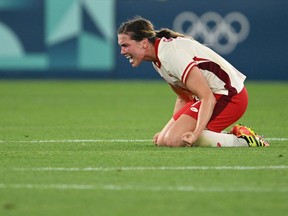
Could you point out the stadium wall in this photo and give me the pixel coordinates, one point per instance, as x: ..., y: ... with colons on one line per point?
x: 78, y: 38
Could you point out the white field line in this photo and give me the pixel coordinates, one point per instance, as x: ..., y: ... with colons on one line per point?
x: 276, y: 139
x: 104, y: 140
x: 78, y: 141
x: 184, y: 168
x: 143, y: 188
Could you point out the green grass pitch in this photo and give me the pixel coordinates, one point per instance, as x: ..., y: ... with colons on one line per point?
x: 83, y: 148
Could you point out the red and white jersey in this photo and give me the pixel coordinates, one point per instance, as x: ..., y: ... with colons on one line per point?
x: 177, y: 56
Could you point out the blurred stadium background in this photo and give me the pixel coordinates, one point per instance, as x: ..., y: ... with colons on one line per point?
x: 78, y: 38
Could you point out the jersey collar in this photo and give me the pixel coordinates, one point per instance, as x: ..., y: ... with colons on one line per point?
x: 156, y: 45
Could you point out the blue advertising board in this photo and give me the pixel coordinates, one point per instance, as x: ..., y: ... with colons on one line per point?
x: 51, y: 38
x: 78, y: 38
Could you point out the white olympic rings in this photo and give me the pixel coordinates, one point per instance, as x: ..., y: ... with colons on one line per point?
x: 223, y: 33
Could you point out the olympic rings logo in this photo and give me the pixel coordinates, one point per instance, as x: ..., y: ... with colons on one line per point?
x: 223, y: 33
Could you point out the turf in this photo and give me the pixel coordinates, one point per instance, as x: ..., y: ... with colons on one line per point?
x: 83, y: 148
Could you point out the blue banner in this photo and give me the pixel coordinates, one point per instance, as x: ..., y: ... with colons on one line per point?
x: 50, y: 38
x: 78, y: 38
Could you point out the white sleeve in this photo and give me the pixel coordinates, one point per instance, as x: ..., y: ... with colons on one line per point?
x: 178, y: 62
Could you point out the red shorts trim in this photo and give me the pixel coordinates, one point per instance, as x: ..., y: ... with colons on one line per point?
x: 227, y: 110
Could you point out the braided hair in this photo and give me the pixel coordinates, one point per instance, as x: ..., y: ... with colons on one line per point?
x: 140, y: 28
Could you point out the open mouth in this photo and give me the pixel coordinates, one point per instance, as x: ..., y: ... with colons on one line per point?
x: 130, y: 58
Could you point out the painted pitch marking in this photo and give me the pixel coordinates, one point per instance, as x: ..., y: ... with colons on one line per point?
x: 104, y: 140
x: 143, y: 188
x: 162, y: 168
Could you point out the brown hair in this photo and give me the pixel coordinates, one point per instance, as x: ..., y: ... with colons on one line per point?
x: 140, y: 28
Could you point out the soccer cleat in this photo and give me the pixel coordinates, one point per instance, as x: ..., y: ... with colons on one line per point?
x: 252, y: 138
x: 263, y: 141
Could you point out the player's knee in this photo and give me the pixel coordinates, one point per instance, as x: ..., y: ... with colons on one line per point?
x: 169, y: 140
x: 172, y: 140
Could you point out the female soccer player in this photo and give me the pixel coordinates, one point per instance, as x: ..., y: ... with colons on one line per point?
x: 211, y: 94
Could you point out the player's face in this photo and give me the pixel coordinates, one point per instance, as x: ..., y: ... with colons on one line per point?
x: 131, y: 49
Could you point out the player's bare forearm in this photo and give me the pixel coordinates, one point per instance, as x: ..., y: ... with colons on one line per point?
x: 179, y: 103
x: 205, y: 113
x: 183, y: 97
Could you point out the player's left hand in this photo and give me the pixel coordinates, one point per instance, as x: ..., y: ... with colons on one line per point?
x: 188, y: 138
x: 155, y: 138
